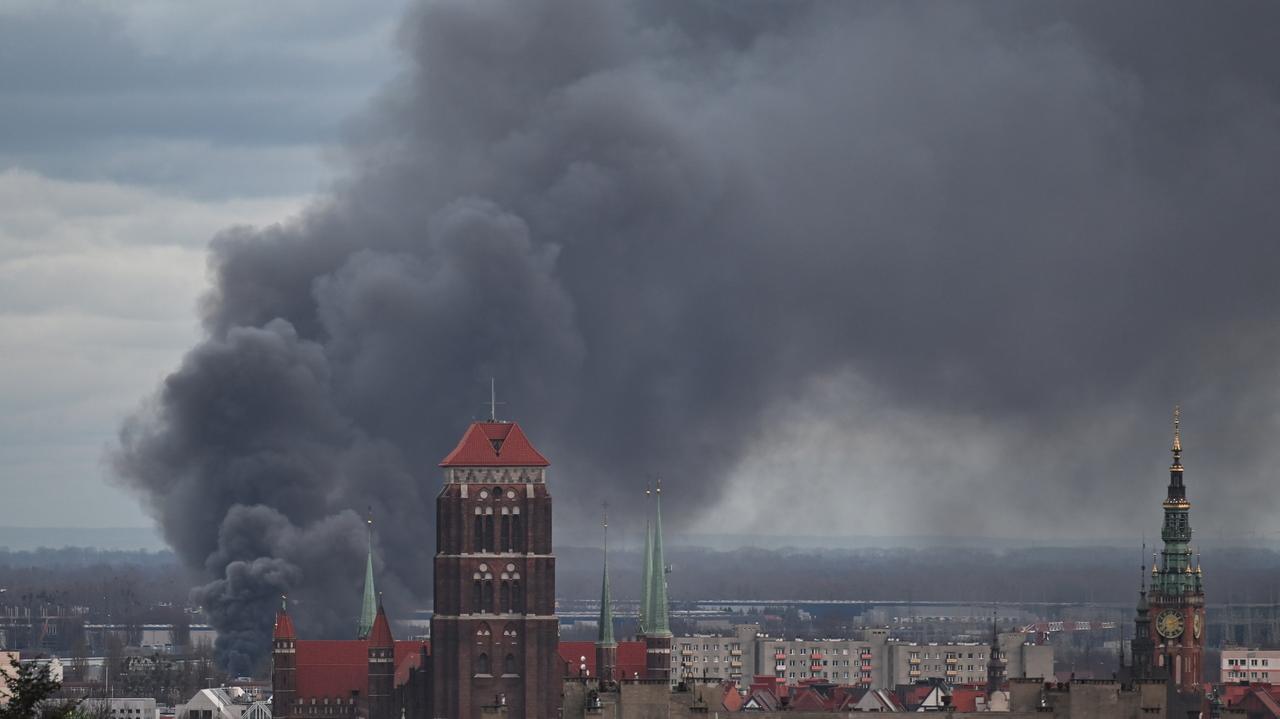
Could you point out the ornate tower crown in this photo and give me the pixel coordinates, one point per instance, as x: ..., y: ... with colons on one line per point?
x: 1177, y: 438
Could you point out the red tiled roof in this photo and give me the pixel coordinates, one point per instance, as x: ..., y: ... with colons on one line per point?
x: 284, y: 626
x: 966, y: 700
x: 380, y: 634
x: 494, y: 444
x: 413, y: 660
x: 806, y: 699
x: 335, y: 669
x: 631, y: 656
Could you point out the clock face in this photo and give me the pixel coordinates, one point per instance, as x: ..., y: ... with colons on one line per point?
x: 1169, y: 624
x: 1197, y: 625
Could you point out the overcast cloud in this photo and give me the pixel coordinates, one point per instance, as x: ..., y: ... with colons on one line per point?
x: 130, y: 133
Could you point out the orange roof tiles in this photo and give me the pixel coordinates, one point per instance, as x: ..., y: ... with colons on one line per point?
x: 494, y: 444
x: 335, y: 669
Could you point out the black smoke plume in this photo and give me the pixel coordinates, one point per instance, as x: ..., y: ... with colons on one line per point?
x: 658, y: 222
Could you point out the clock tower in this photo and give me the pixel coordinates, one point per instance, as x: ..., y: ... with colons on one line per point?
x: 1176, y: 600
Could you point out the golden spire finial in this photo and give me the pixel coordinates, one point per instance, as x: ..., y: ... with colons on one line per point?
x: 1177, y: 430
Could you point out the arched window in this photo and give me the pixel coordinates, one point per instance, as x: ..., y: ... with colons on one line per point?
x: 517, y: 598
x: 482, y: 663
x: 488, y: 532
x: 504, y: 595
x: 486, y: 601
x: 477, y: 598
x: 504, y: 543
x: 509, y: 666
x: 477, y: 544
x: 517, y: 535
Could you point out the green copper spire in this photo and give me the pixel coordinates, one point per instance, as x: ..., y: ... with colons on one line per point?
x: 1175, y: 575
x: 646, y: 580
x: 659, y: 622
x: 369, y: 610
x: 605, y: 637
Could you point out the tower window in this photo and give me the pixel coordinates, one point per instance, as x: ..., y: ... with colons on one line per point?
x: 509, y: 666
x: 482, y: 663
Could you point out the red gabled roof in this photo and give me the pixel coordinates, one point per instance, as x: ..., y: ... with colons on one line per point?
x: 806, y: 699
x: 335, y: 669
x: 494, y: 444
x: 284, y: 626
x: 380, y: 634
x: 631, y: 656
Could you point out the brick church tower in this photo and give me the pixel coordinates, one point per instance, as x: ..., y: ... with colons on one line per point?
x: 1174, y: 607
x: 494, y: 633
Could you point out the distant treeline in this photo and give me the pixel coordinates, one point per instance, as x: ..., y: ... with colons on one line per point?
x: 116, y: 585
x: 127, y: 581
x: 1083, y: 574
x: 72, y: 557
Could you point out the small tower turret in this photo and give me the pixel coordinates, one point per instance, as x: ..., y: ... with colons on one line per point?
x: 382, y: 667
x: 1142, y: 647
x: 284, y: 687
x: 996, y: 665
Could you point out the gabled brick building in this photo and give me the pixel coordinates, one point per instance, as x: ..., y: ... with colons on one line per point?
x: 368, y: 677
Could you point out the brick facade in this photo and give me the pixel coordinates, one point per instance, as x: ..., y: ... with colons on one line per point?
x: 494, y: 630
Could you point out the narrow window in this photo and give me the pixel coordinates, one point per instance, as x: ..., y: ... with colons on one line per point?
x: 476, y: 597
x: 505, y: 543
x: 517, y: 599
x: 509, y: 666
x: 488, y: 532
x: 505, y: 594
x: 517, y: 534
x: 487, y: 600
x: 482, y: 663
x: 477, y: 545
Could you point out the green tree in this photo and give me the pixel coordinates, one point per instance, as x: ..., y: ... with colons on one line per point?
x: 31, y: 693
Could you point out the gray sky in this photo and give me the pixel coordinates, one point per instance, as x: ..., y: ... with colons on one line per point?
x: 130, y: 132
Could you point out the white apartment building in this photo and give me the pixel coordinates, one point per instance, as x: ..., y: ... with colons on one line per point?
x: 1252, y: 665
x: 718, y: 657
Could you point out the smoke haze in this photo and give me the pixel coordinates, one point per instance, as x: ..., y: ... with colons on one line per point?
x: 828, y: 266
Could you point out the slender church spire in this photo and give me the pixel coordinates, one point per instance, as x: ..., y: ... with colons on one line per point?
x: 605, y: 636
x: 659, y: 621
x: 646, y: 580
x: 606, y: 647
x: 369, y: 608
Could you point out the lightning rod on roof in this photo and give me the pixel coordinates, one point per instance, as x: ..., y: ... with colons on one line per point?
x: 493, y: 401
